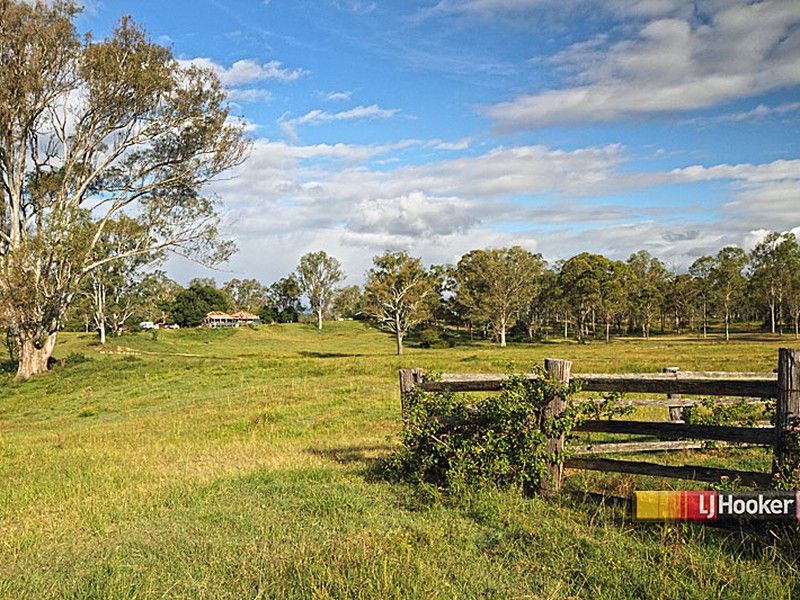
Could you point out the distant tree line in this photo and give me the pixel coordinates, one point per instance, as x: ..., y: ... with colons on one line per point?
x: 490, y: 294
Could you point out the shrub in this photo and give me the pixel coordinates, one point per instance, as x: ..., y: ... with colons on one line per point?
x: 497, y: 441
x: 711, y: 412
x: 431, y: 337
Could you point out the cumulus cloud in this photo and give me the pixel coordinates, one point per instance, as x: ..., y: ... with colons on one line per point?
x: 317, y: 116
x: 675, y: 62
x: 347, y: 199
x: 248, y: 71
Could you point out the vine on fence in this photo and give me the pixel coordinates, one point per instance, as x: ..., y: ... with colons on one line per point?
x: 500, y: 440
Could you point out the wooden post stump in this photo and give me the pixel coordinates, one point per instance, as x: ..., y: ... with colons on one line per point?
x: 559, y: 370
x: 409, y: 378
x: 675, y: 412
x: 787, y: 410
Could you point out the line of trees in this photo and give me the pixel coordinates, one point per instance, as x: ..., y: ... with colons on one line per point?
x: 491, y: 294
x: 114, y: 298
x: 494, y: 292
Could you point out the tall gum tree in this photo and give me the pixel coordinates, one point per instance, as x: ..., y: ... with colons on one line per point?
x: 398, y: 294
x: 495, y: 284
x: 90, y: 130
x: 318, y: 275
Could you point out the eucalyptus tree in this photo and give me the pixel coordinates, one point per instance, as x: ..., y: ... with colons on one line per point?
x: 247, y: 294
x: 771, y: 267
x: 495, y: 284
x: 580, y: 279
x: 91, y: 130
x: 701, y: 272
x: 614, y: 277
x: 283, y: 303
x: 728, y: 280
x: 157, y: 293
x: 114, y: 286
x: 318, y: 275
x: 793, y: 297
x: 681, y: 300
x: 348, y: 302
x: 647, y: 283
x: 399, y: 293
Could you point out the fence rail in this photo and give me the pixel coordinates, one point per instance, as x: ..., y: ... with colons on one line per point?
x: 782, y: 385
x: 731, y: 384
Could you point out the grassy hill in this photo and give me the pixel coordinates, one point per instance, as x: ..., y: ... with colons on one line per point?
x: 238, y: 463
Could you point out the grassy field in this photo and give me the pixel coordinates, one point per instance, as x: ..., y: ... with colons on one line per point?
x: 240, y: 464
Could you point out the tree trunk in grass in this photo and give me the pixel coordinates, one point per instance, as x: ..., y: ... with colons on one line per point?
x: 34, y: 354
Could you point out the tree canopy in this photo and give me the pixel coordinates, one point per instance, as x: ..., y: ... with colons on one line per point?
x: 91, y: 130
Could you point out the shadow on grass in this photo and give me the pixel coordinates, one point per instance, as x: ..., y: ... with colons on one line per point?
x: 311, y: 354
x: 348, y: 455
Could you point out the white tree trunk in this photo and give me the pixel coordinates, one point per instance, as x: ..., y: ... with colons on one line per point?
x: 399, y: 334
x: 33, y: 356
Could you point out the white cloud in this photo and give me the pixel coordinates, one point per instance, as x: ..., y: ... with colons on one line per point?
x: 461, y: 144
x: 248, y: 71
x: 249, y: 95
x: 338, y: 197
x: 317, y: 116
x: 336, y: 96
x: 674, y: 63
x: 762, y: 111
x: 413, y: 215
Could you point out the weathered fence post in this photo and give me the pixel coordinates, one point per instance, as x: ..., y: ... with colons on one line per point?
x: 787, y: 410
x: 559, y: 370
x: 409, y: 378
x: 675, y: 412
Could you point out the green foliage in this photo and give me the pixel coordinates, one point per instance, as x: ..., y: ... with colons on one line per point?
x: 493, y: 285
x: 499, y: 440
x: 711, y: 412
x: 348, y: 302
x: 318, y: 273
x: 283, y: 302
x: 433, y: 337
x: 192, y: 304
x: 140, y: 135
x: 399, y: 293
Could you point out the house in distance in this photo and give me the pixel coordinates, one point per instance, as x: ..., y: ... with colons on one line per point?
x: 217, y: 319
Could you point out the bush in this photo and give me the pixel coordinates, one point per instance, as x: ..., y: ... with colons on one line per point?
x: 711, y: 412
x: 497, y: 441
x: 431, y: 337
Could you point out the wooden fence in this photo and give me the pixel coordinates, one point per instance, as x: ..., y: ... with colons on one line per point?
x: 783, y: 387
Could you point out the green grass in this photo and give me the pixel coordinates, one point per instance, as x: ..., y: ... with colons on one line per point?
x: 240, y: 464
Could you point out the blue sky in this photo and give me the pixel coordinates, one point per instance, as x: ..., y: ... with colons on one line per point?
x: 441, y: 126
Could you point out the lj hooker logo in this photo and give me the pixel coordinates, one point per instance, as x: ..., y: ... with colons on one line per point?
x: 710, y: 506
